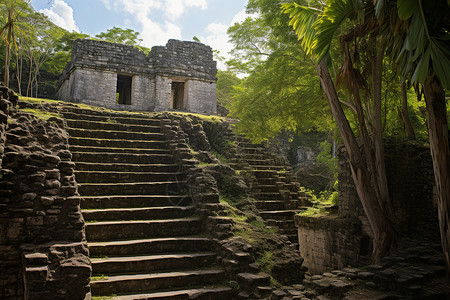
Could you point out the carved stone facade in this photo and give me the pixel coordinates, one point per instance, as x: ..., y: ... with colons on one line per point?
x: 178, y: 76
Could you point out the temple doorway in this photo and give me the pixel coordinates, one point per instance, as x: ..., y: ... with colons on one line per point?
x: 123, y: 90
x: 177, y: 95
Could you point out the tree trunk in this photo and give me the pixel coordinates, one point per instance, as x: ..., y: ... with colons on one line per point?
x: 384, y: 231
x: 380, y: 165
x: 405, y: 115
x: 440, y: 153
x: 8, y: 46
x: 29, y: 86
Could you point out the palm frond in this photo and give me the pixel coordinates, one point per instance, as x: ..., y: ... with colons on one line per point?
x: 328, y: 24
x: 303, y: 21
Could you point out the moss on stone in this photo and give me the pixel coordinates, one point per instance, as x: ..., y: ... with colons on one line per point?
x: 41, y: 114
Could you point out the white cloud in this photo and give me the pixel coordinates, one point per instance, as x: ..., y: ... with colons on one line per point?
x: 144, y: 12
x: 215, y: 35
x: 107, y: 4
x: 176, y: 8
x: 61, y: 14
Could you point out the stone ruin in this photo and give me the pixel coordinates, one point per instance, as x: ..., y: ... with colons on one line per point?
x: 178, y: 76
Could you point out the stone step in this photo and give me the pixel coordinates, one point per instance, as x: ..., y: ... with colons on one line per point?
x: 264, y: 174
x: 278, y: 214
x: 282, y: 224
x: 78, y: 148
x: 268, y: 167
x: 267, y: 181
x: 95, y: 116
x: 260, y: 162
x: 120, y: 230
x: 151, y: 263
x: 125, y: 284
x: 122, y: 167
x: 253, y: 150
x: 254, y: 156
x: 267, y: 196
x: 268, y: 188
x: 146, y: 213
x: 248, y: 146
x: 109, y: 134
x: 145, y: 246
x: 292, y: 237
x: 271, y: 205
x: 205, y: 293
x: 103, y: 202
x: 112, y: 176
x: 111, y: 126
x: 131, y: 188
x: 127, y: 158
x: 118, y: 143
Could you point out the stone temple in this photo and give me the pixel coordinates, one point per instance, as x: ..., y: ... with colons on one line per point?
x: 179, y: 76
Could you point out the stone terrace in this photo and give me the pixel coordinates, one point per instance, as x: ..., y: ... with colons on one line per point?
x: 144, y: 239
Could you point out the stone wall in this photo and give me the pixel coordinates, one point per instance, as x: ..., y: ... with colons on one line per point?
x: 81, y: 87
x: 197, y: 92
x: 43, y: 251
x: 184, y: 59
x: 344, y: 238
x: 100, y: 55
x: 7, y: 99
x: 410, y: 177
x: 328, y: 242
x: 162, y: 93
x: 91, y: 76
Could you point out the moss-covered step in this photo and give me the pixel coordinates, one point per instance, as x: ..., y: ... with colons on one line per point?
x: 118, y: 143
x: 111, y: 118
x: 159, y: 281
x: 219, y: 292
x: 144, y: 213
x: 78, y: 148
x: 127, y: 201
x: 114, y: 176
x: 123, y: 167
x: 133, y: 188
x: 129, y: 158
x: 112, y: 126
x: 153, y: 245
x: 152, y: 263
x: 110, y: 134
x: 122, y: 230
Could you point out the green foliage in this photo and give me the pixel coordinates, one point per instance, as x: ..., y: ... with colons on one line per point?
x: 281, y: 92
x: 99, y: 277
x: 63, y: 51
x: 122, y: 36
x: 104, y: 297
x: 41, y: 114
x: 266, y: 261
x: 325, y: 158
x: 232, y: 201
x: 226, y: 81
x: 422, y: 45
x: 322, y: 203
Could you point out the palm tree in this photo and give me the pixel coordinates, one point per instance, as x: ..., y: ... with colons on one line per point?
x: 417, y: 34
x: 316, y: 30
x: 11, y: 9
x: 421, y: 45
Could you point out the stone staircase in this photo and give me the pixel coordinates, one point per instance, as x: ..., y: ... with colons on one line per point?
x: 274, y: 186
x: 144, y: 238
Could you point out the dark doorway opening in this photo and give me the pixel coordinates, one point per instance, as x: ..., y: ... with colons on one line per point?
x: 123, y: 92
x: 177, y: 95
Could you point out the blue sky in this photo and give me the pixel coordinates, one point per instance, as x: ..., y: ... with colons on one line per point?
x: 156, y: 20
